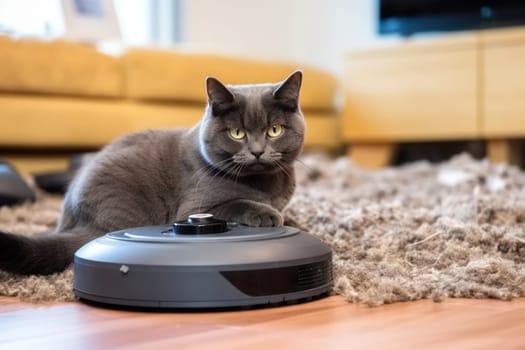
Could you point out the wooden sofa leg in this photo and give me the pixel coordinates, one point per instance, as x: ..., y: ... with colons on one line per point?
x: 505, y: 151
x: 372, y: 155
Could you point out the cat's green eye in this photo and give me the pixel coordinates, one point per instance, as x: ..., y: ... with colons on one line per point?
x: 275, y: 131
x: 237, y: 134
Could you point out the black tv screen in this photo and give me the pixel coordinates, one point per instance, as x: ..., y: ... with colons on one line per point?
x: 407, y: 17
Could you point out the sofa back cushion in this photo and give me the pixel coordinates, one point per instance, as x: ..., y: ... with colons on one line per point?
x: 58, y: 67
x: 178, y: 75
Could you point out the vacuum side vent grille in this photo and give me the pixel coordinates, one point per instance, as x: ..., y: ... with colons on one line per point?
x: 281, y: 280
x: 314, y: 275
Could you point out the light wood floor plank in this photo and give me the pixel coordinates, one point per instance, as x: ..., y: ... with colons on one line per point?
x: 329, y: 323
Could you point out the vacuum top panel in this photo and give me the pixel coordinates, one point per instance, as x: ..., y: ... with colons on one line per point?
x: 235, y: 232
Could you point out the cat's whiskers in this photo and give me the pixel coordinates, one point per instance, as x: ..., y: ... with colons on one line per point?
x: 233, y: 169
x: 309, y: 168
x: 204, y: 172
x: 240, y: 167
x: 282, y: 167
x: 208, y: 168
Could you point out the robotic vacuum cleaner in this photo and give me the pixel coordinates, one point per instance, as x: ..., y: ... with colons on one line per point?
x: 203, y: 262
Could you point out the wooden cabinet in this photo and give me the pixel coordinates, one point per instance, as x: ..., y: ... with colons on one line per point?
x: 465, y: 86
x: 412, y: 92
x: 502, y: 93
x: 503, y: 84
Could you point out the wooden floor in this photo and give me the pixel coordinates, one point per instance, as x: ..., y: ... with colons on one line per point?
x: 329, y: 323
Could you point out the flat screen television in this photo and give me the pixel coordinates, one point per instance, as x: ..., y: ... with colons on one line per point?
x: 407, y: 17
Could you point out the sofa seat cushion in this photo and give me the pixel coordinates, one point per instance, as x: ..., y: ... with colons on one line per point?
x: 179, y: 75
x: 58, y: 67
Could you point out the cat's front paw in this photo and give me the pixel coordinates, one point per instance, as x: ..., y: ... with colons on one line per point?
x: 249, y: 213
x: 259, y: 218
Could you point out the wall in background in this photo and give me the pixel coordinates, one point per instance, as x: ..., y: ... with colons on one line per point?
x: 309, y: 32
x: 31, y: 18
x: 312, y: 32
x: 135, y: 21
x: 44, y: 19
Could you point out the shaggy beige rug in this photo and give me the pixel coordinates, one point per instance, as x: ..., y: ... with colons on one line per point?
x: 455, y: 229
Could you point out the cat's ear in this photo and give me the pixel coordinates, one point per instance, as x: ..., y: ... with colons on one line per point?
x: 287, y: 92
x: 219, y: 97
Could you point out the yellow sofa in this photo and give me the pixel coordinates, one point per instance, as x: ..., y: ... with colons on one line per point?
x: 58, y: 98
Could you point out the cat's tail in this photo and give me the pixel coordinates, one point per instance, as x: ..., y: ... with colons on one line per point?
x: 39, y: 255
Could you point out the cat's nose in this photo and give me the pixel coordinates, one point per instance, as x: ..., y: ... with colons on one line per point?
x: 257, y: 154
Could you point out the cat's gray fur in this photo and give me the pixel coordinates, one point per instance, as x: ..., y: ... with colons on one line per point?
x: 159, y: 176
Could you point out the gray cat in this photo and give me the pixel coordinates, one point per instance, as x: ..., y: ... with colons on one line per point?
x: 236, y: 163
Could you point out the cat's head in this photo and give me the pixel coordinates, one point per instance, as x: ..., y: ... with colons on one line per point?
x: 251, y: 129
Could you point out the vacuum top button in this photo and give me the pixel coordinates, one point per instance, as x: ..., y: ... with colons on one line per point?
x: 200, y: 224
x: 200, y: 218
